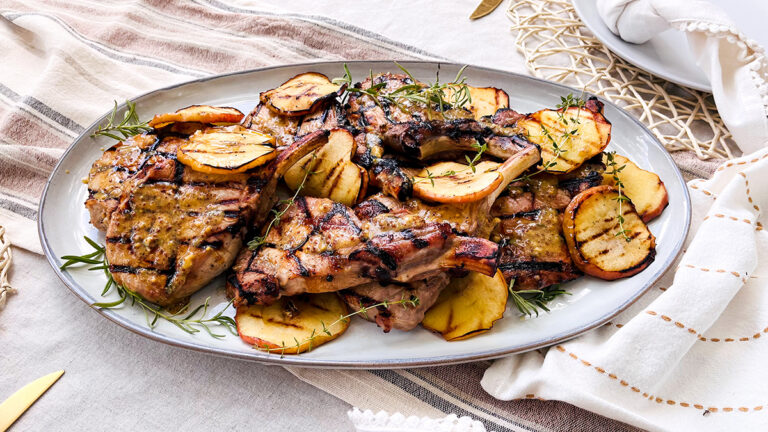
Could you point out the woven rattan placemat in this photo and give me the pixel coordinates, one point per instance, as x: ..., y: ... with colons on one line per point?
x: 558, y: 47
x: 5, y: 265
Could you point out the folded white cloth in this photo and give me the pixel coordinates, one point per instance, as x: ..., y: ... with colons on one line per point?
x: 690, y: 354
x: 367, y: 421
x: 735, y: 65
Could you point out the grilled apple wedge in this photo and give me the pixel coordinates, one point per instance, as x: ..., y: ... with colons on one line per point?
x: 468, y: 306
x: 484, y: 101
x: 293, y: 325
x: 592, y: 230
x: 205, y: 114
x: 456, y: 183
x: 452, y: 182
x: 579, y: 133
x: 644, y: 188
x: 300, y: 94
x: 226, y: 150
x: 330, y: 172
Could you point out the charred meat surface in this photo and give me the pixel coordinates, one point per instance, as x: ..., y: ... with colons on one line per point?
x: 424, y: 132
x: 109, y: 174
x: 398, y: 316
x: 287, y: 130
x: 323, y: 246
x: 175, y: 229
x: 534, y: 252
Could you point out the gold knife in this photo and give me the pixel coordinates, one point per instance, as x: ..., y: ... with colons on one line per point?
x: 14, y: 406
x: 484, y: 8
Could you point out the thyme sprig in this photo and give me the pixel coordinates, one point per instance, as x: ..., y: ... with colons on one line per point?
x: 431, y: 177
x: 412, y: 301
x: 615, y: 170
x: 193, y: 322
x: 481, y: 148
x: 129, y: 126
x: 258, y: 241
x: 430, y: 94
x: 571, y: 130
x: 528, y: 302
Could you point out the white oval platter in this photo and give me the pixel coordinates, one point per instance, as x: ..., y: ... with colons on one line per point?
x: 63, y: 221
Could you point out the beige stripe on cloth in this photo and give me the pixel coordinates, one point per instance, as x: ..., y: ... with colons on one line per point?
x: 70, y: 60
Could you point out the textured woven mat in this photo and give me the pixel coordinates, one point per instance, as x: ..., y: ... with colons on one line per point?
x: 5, y: 265
x: 557, y: 46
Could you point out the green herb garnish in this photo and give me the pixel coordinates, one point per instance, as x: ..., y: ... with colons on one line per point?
x: 191, y: 322
x: 128, y: 127
x: 528, y: 302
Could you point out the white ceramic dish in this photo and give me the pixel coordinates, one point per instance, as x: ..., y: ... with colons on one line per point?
x: 63, y: 222
x: 667, y: 54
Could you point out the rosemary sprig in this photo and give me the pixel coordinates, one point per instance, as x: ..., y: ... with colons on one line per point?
x: 128, y: 127
x: 615, y: 170
x: 326, y: 329
x: 429, y: 95
x: 191, y: 323
x: 529, y: 302
x: 258, y: 241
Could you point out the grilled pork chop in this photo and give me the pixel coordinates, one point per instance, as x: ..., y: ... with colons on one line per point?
x: 416, y: 131
x: 534, y: 252
x: 175, y: 229
x: 286, y: 129
x: 108, y: 175
x: 399, y: 316
x: 323, y: 246
x: 470, y: 219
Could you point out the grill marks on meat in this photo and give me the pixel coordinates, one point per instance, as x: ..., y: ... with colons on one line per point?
x: 534, y: 252
x: 429, y: 140
x: 263, y: 120
x: 418, y: 132
x: 327, y: 118
x: 387, y: 175
x: 175, y: 229
x: 470, y: 219
x: 399, y: 316
x: 322, y: 246
x: 287, y: 130
x: 108, y: 175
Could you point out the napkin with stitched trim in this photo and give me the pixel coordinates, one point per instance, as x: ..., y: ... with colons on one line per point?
x: 735, y: 65
x: 689, y: 354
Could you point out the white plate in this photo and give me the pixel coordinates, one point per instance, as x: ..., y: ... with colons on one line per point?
x: 667, y: 54
x: 63, y: 222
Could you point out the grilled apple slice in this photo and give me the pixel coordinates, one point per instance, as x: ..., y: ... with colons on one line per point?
x: 452, y: 182
x: 485, y: 101
x: 579, y: 133
x: 226, y: 150
x: 468, y: 306
x: 293, y: 325
x: 593, y: 233
x: 199, y: 114
x: 331, y: 172
x: 644, y: 188
x: 300, y: 94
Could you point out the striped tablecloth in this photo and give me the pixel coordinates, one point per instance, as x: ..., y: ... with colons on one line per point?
x: 63, y: 63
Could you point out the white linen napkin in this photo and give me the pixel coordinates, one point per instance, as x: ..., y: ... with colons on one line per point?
x: 690, y: 354
x: 735, y: 65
